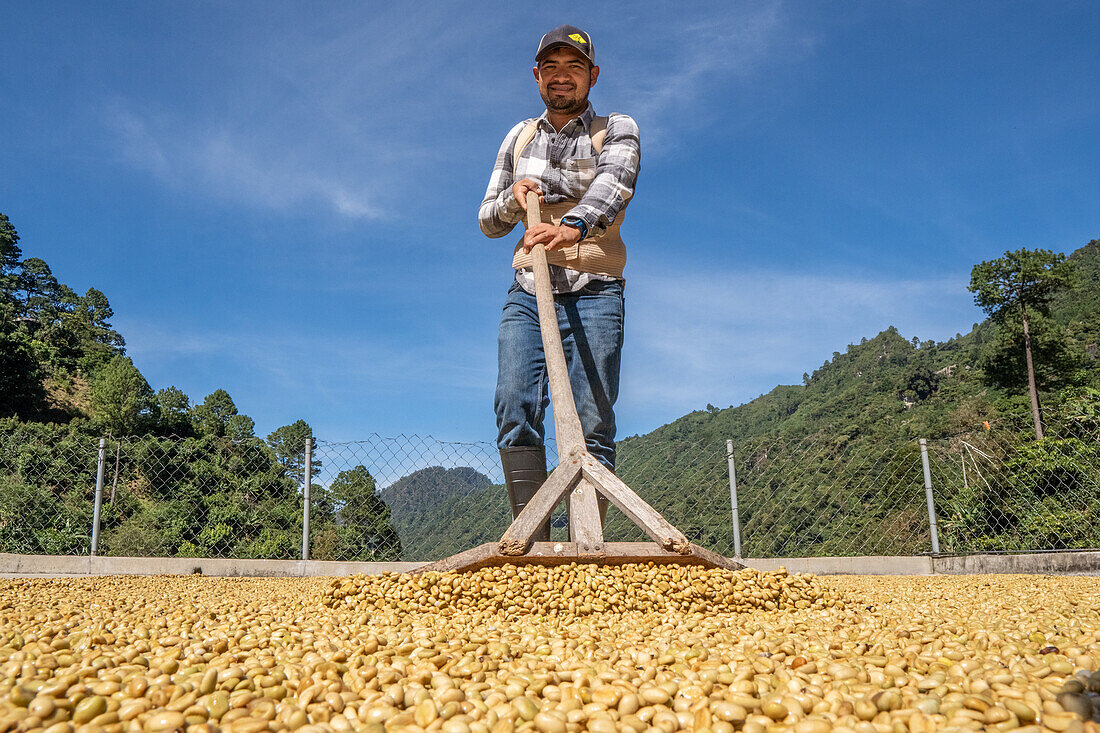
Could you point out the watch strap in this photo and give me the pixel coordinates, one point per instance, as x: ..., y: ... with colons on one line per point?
x: 577, y: 223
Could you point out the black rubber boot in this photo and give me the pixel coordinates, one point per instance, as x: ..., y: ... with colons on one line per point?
x: 524, y: 472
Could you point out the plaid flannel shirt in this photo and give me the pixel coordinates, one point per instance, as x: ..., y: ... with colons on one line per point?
x: 566, y: 168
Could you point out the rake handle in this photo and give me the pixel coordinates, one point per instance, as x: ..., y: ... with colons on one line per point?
x: 566, y: 423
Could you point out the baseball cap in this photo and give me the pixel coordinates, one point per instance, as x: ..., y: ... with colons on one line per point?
x: 567, y: 36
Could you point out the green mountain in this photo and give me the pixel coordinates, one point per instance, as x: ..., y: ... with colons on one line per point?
x: 422, y: 505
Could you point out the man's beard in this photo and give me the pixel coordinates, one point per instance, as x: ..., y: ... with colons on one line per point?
x: 565, y: 106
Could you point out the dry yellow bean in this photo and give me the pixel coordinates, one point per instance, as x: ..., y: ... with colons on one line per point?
x: 548, y: 650
x: 547, y: 723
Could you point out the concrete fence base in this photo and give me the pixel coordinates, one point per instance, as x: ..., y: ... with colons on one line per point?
x: 1085, y: 562
x: 59, y: 566
x: 55, y: 566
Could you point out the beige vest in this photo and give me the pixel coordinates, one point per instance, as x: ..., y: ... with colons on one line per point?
x: 605, y: 255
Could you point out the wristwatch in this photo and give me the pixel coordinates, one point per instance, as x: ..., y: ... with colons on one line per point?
x: 577, y: 223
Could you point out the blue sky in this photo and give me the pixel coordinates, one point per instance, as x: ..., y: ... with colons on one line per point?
x: 280, y: 198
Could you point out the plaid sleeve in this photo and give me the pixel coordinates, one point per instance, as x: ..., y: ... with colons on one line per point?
x: 499, y: 211
x: 616, y: 175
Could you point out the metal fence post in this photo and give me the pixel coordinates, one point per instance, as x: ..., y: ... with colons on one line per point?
x: 98, y: 494
x: 928, y: 497
x: 308, y: 471
x: 733, y: 500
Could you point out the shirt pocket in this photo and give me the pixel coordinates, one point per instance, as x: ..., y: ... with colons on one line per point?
x: 579, y: 173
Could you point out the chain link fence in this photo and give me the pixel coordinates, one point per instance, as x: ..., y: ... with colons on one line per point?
x: 416, y: 498
x: 1003, y: 491
x: 823, y: 496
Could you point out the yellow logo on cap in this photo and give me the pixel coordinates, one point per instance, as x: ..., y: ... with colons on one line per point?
x: 577, y: 37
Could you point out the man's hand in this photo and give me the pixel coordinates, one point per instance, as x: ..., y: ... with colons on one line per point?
x: 520, y: 189
x: 550, y: 237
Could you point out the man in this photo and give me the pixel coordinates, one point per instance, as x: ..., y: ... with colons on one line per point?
x: 584, y: 169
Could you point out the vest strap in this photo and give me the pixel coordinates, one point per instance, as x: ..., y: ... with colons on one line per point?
x: 597, y: 131
x: 526, y: 135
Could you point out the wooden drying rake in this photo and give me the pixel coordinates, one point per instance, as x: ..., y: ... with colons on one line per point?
x: 580, y: 475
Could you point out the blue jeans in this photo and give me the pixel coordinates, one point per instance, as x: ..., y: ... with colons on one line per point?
x: 591, y: 324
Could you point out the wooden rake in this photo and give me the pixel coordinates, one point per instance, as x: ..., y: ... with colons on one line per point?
x: 580, y: 476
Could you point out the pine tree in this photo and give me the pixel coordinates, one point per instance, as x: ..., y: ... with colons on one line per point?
x: 121, y: 398
x: 1021, y: 284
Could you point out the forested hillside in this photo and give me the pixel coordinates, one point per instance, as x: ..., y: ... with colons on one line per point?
x: 186, y: 479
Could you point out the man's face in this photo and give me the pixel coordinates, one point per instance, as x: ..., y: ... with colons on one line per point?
x: 564, y: 77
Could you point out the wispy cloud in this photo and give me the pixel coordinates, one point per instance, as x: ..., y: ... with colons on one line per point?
x: 234, y: 167
x: 725, y: 337
x: 351, y: 122
x: 343, y: 117
x: 666, y: 84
